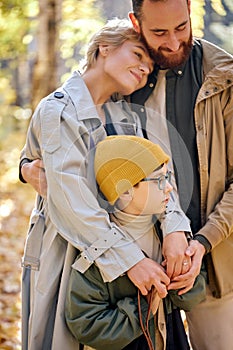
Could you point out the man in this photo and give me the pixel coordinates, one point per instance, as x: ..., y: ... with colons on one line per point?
x: 192, y: 87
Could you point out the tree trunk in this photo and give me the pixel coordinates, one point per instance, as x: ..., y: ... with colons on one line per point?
x: 119, y: 8
x: 44, y: 79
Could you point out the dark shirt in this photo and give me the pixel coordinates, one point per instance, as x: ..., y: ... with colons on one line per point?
x: 182, y: 86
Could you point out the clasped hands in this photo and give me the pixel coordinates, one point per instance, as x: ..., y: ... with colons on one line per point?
x: 178, y: 271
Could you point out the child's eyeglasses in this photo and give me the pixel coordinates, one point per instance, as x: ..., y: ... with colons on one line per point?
x: 162, y: 180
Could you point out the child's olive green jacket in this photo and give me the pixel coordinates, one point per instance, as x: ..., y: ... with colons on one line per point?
x: 105, y: 315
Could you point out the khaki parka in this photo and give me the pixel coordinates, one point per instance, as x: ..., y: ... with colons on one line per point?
x: 213, y: 118
x: 214, y: 128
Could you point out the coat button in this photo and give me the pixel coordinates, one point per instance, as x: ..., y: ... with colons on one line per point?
x: 58, y: 94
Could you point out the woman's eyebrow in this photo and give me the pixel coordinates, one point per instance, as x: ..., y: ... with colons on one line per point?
x: 142, y: 47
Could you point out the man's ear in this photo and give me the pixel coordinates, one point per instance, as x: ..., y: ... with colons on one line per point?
x: 103, y: 49
x: 134, y: 22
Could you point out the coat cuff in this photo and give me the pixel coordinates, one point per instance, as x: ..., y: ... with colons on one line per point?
x: 204, y: 241
x: 22, y: 162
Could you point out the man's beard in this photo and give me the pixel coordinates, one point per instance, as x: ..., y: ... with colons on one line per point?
x: 173, y: 61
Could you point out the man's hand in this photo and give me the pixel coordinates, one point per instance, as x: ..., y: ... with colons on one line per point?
x: 185, y: 282
x: 174, y: 252
x: 147, y: 273
x: 34, y: 174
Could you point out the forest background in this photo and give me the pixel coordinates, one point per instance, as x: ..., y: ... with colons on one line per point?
x: 41, y: 43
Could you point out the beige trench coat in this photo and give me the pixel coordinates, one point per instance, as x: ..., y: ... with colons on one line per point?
x: 52, y: 136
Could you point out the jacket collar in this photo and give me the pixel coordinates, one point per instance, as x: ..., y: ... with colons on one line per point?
x: 81, y: 97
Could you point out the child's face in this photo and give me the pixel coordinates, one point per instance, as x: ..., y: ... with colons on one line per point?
x: 148, y: 198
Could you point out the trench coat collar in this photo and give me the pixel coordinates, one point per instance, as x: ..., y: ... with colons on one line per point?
x: 81, y: 97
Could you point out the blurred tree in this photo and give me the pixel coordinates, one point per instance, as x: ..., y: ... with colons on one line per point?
x: 13, y: 27
x: 14, y: 30
x: 40, y: 40
x: 197, y: 17
x: 118, y: 8
x: 44, y: 77
x: 218, y: 23
x: 213, y: 20
x: 80, y: 19
x: 64, y: 28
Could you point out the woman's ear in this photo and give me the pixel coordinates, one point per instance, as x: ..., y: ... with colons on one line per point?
x: 104, y: 49
x: 134, y: 22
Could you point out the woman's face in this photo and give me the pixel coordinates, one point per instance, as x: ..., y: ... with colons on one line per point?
x: 128, y: 66
x: 150, y: 197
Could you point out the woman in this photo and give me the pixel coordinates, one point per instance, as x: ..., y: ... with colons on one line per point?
x: 63, y: 132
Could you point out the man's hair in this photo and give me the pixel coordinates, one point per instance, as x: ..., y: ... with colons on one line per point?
x: 115, y: 32
x: 137, y: 7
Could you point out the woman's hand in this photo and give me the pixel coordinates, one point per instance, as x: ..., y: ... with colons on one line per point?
x: 34, y: 174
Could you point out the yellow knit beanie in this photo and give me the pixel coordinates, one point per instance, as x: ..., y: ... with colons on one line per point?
x: 122, y: 161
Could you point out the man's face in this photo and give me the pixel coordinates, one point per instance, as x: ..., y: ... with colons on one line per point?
x: 166, y: 28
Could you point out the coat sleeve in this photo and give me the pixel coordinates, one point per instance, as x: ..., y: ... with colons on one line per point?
x: 61, y: 140
x: 94, y: 318
x: 174, y: 219
x: 219, y: 224
x: 194, y: 296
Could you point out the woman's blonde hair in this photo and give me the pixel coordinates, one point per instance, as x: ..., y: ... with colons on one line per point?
x: 115, y: 32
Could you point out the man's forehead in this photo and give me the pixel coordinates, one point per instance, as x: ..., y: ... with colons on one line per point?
x: 162, y: 13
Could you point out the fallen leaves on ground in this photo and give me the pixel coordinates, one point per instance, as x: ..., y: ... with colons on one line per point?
x: 16, y: 202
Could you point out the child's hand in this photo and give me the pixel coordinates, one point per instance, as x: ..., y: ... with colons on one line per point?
x: 147, y: 273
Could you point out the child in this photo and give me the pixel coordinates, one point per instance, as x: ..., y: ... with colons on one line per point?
x: 132, y: 175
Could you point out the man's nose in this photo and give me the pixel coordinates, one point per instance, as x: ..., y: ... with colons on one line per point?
x: 173, y: 43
